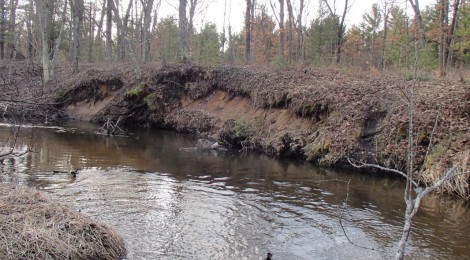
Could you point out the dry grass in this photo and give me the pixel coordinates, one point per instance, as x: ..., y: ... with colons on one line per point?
x: 458, y: 185
x: 32, y: 226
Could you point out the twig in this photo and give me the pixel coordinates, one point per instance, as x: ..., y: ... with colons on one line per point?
x: 343, y: 209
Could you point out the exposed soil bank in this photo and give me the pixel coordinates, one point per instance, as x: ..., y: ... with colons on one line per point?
x: 32, y: 226
x: 322, y: 116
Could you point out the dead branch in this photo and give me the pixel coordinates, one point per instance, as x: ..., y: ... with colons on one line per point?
x: 382, y: 168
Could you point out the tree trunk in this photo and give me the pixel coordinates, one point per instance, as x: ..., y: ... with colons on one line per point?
x: 12, y: 29
x: 299, y: 31
x: 415, y: 5
x: 130, y: 49
x: 49, y: 50
x: 289, y: 35
x: 340, y: 40
x: 385, y: 31
x: 99, y: 29
x: 147, y: 6
x: 46, y: 65
x: 109, y: 27
x: 248, y: 31
x: 451, y: 31
x: 443, y: 9
x: 183, y: 30
x: 2, y: 29
x: 282, y: 36
x: 29, y: 26
x: 91, y: 31
x: 77, y: 9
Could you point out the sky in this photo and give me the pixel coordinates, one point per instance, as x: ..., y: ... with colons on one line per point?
x: 235, y: 10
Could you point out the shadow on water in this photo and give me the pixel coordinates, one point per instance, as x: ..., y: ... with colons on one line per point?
x: 180, y: 203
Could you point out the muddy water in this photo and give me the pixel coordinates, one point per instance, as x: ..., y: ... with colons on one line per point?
x: 173, y: 203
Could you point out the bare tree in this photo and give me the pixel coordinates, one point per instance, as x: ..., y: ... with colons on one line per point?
x: 122, y: 32
x: 340, y: 27
x: 248, y: 31
x: 91, y: 29
x: 387, y: 7
x: 99, y: 27
x: 280, y: 21
x: 147, y: 6
x: 12, y: 29
x: 183, y: 28
x: 299, y: 31
x: 109, y: 27
x: 447, y: 32
x: 443, y: 20
x: 130, y: 49
x: 29, y: 28
x: 415, y: 5
x: 290, y: 26
x: 49, y: 53
x: 3, y: 28
x: 77, y: 18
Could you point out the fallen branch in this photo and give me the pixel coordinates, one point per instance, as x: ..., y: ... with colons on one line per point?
x: 363, y: 165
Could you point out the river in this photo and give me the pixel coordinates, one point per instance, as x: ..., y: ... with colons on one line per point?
x: 169, y: 202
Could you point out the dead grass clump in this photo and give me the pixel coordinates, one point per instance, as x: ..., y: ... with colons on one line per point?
x: 32, y: 226
x: 458, y: 185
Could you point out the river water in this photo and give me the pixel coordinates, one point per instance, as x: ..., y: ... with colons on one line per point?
x: 169, y: 202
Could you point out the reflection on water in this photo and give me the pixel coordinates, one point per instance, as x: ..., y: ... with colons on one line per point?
x: 172, y: 203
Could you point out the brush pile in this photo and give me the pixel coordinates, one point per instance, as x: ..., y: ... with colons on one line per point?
x: 32, y: 226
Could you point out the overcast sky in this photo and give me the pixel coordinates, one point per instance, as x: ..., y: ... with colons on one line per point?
x: 236, y: 8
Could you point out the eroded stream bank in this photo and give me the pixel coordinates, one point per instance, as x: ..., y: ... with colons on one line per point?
x: 176, y: 203
x: 322, y: 116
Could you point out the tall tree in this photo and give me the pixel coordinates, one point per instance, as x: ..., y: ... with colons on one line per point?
x: 99, y: 28
x: 443, y: 21
x: 280, y: 21
x: 248, y: 31
x: 91, y: 29
x: 109, y: 28
x: 207, y: 44
x: 290, y: 27
x: 3, y: 29
x: 340, y: 28
x: 77, y: 18
x: 12, y: 29
x: 49, y: 49
x: 29, y: 28
x: 147, y: 6
x: 371, y: 23
x: 447, y: 32
x: 167, y: 41
x: 415, y: 5
x: 386, y: 9
x: 183, y: 30
x: 127, y: 43
x: 300, y: 31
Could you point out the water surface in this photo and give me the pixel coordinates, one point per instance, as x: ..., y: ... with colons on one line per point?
x: 174, y: 203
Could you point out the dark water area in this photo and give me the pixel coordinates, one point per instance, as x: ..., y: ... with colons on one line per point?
x: 169, y: 202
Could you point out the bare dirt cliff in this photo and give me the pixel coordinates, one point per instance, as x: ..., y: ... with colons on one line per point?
x: 320, y: 115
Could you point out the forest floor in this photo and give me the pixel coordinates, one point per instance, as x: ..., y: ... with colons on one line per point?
x: 324, y: 116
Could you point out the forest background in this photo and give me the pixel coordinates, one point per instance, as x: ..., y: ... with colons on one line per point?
x: 277, y: 33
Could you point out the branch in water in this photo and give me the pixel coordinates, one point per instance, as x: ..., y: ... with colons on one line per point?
x: 363, y: 165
